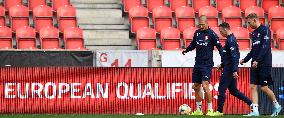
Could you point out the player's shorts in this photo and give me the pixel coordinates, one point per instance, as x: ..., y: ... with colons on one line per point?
x: 261, y: 76
x: 201, y: 74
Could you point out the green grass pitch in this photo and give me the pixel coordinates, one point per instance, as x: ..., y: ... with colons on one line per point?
x: 112, y: 116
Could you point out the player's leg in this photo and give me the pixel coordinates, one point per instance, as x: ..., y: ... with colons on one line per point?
x: 253, y: 91
x: 235, y: 92
x: 223, y: 85
x: 206, y: 74
x: 197, y: 89
x: 265, y: 80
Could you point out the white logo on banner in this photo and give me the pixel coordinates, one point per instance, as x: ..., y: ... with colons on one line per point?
x: 126, y: 58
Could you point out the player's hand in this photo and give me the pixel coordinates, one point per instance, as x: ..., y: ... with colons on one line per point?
x: 235, y: 75
x: 219, y: 67
x: 242, y: 62
x: 254, y: 64
x: 183, y: 52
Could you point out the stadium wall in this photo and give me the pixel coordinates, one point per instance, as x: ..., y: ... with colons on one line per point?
x: 69, y: 90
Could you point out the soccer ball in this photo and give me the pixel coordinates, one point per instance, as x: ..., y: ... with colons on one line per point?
x: 184, y: 109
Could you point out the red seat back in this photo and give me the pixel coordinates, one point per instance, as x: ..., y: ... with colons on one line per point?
x: 170, y: 38
x: 223, y: 3
x: 42, y: 16
x: 232, y: 15
x: 244, y: 4
x: 19, y: 15
x: 242, y: 35
x: 197, y: 4
x: 67, y: 17
x: 188, y: 34
x: 138, y: 18
x: 146, y: 38
x: 174, y: 4
x: 26, y: 38
x: 185, y: 17
x: 49, y: 38
x: 34, y: 3
x: 10, y: 3
x: 151, y: 4
x: 128, y: 4
x: 59, y: 3
x: 73, y: 38
x: 5, y: 37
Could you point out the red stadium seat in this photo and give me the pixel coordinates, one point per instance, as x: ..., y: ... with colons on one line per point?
x: 211, y: 13
x: 34, y: 3
x: 59, y: 3
x: 49, y: 38
x: 66, y: 17
x: 162, y: 18
x: 259, y: 11
x: 221, y: 38
x: 26, y: 38
x: 5, y: 38
x: 223, y: 3
x: 19, y: 16
x: 266, y: 4
x: 197, y: 4
x: 170, y: 38
x: 138, y: 18
x: 42, y: 16
x: 242, y: 35
x: 10, y: 3
x: 146, y: 39
x: 174, y: 4
x: 188, y: 34
x: 151, y: 4
x: 128, y: 4
x: 2, y: 16
x: 73, y: 38
x: 244, y: 4
x: 233, y: 16
x: 276, y: 17
x: 185, y: 17
x: 280, y: 38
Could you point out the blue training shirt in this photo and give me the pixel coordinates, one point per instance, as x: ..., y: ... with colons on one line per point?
x: 231, y: 53
x: 204, y: 42
x: 261, y: 48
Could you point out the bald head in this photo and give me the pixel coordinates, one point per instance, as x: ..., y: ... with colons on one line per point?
x: 203, y: 24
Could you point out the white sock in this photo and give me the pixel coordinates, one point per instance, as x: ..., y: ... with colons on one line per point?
x: 199, y: 106
x: 276, y: 104
x: 254, y: 107
x: 210, y: 106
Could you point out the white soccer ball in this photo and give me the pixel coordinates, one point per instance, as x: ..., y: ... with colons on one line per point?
x: 184, y: 109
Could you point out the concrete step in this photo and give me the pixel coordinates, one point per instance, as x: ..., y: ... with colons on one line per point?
x: 95, y: 1
x: 108, y: 34
x: 111, y: 47
x: 104, y: 27
x: 104, y: 41
x: 99, y: 13
x: 97, y: 6
x: 96, y: 21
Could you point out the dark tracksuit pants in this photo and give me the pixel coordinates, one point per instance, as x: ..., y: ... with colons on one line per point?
x: 229, y: 82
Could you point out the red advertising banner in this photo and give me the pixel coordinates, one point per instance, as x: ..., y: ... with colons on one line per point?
x: 64, y: 90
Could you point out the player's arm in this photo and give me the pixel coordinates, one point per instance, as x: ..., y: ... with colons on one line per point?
x: 248, y: 57
x: 217, y: 43
x: 234, y: 55
x: 192, y: 44
x: 265, y: 45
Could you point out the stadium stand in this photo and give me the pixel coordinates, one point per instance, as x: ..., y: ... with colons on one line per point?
x: 197, y: 4
x: 59, y: 3
x: 233, y: 16
x: 276, y: 17
x: 152, y: 4
x: 146, y: 38
x: 34, y: 3
x: 73, y: 38
x: 211, y: 13
x: 280, y: 38
x: 185, y: 17
x: 244, y: 4
x: 49, y: 38
x: 6, y: 41
x: 266, y: 4
x: 26, y: 38
x: 162, y: 18
x: 170, y: 38
x: 2, y: 16
x: 42, y: 16
x: 66, y: 16
x: 19, y: 16
x: 10, y: 3
x: 128, y: 4
x: 242, y: 35
x: 138, y: 18
x: 174, y: 4
x: 221, y: 4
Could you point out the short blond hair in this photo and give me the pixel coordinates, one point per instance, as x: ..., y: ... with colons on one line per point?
x: 252, y: 16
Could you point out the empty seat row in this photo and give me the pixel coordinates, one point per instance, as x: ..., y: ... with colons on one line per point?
x: 42, y: 16
x: 34, y: 3
x: 197, y: 4
x: 170, y: 38
x: 48, y: 38
x: 185, y: 17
